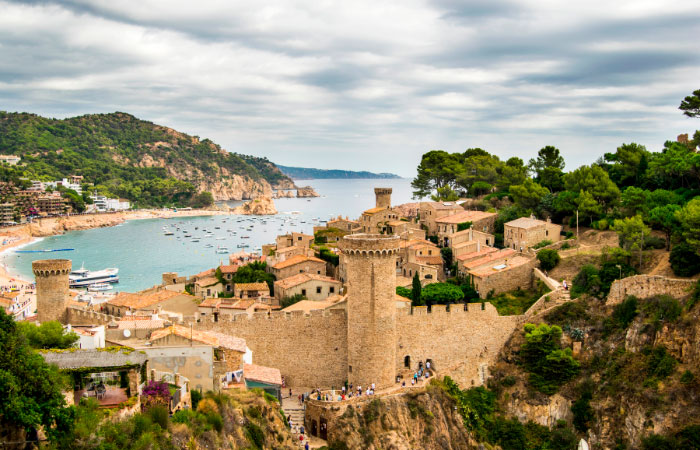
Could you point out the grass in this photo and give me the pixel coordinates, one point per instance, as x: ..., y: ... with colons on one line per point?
x: 516, y: 302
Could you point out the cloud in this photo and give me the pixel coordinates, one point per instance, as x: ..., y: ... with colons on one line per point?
x: 363, y: 85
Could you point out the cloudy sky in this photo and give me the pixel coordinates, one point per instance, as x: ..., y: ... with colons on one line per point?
x: 364, y: 85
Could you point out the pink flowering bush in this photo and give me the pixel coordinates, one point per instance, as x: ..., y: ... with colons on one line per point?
x: 155, y: 393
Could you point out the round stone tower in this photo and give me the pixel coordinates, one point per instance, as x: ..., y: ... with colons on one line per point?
x: 383, y: 197
x: 371, y: 308
x: 51, y: 288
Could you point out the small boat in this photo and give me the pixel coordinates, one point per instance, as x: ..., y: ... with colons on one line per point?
x: 168, y: 233
x: 195, y: 240
x: 217, y: 228
x: 221, y: 249
x: 243, y: 245
x: 245, y: 237
x: 208, y: 246
x: 221, y: 238
x: 188, y: 235
x: 99, y: 287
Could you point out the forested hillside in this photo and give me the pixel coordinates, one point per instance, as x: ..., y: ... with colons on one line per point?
x: 303, y: 173
x: 149, y: 164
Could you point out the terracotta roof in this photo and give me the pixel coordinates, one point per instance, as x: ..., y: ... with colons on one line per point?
x: 513, y: 262
x: 206, y: 273
x: 484, y: 251
x: 296, y: 259
x: 465, y: 216
x: 6, y: 302
x: 208, y: 337
x: 504, y: 253
x: 411, y: 242
x: 308, y: 305
x: 374, y: 210
x: 526, y: 222
x: 208, y: 281
x: 431, y: 260
x: 139, y: 301
x: 229, y: 269
x: 443, y: 205
x: 238, y: 304
x: 300, y: 278
x: 268, y: 375
x: 342, y: 220
x: 144, y: 324
x: 211, y: 302
x: 464, y: 244
x: 394, y: 223
x: 292, y: 248
x: 261, y: 286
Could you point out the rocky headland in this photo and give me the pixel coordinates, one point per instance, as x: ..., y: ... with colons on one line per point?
x: 258, y: 207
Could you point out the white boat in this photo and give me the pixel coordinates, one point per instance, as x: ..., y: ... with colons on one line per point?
x: 83, y: 277
x: 168, y: 233
x: 221, y: 249
x: 100, y: 287
x: 195, y: 240
x: 222, y: 238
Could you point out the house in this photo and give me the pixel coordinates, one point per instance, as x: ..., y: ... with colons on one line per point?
x: 228, y: 271
x: 422, y: 257
x: 251, y: 290
x: 344, y: 224
x: 312, y: 286
x: 466, y: 257
x: 10, y: 160
x: 88, y: 337
x: 125, y: 303
x: 429, y: 212
x: 283, y: 254
x: 98, y: 373
x: 208, y: 287
x: 268, y: 379
x: 298, y: 264
x: 312, y: 305
x: 525, y: 232
x: 478, y: 220
x: 294, y: 240
x: 375, y: 220
x: 502, y: 274
x: 405, y: 229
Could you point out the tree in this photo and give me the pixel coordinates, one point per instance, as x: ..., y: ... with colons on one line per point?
x: 289, y: 301
x: 689, y: 219
x: 595, y: 180
x: 416, y: 299
x: 202, y: 200
x: 548, y: 258
x: 528, y: 195
x: 635, y: 200
x: 441, y: 293
x: 31, y: 390
x: 436, y: 170
x: 47, y: 335
x: 444, y: 194
x: 631, y: 231
x: 253, y: 273
x: 684, y: 259
x: 629, y: 164
x: 691, y: 104
x: 541, y: 354
x: 676, y: 166
x: 547, y: 157
x: 664, y: 218
x: 512, y: 172
x: 478, y: 166
x: 587, y: 206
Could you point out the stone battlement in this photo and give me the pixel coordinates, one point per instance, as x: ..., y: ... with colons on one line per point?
x: 369, y: 244
x: 78, y: 316
x: 483, y: 309
x: 274, y: 316
x: 645, y: 286
x: 51, y: 267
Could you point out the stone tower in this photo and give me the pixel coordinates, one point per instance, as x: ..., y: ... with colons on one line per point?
x: 371, y: 308
x: 51, y: 288
x: 383, y: 196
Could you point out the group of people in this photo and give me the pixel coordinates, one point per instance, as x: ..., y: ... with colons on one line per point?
x: 421, y: 373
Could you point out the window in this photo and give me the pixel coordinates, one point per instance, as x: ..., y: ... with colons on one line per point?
x: 318, y: 272
x: 318, y: 289
x: 331, y: 289
x: 303, y: 292
x: 428, y: 277
x: 208, y: 291
x: 546, y: 232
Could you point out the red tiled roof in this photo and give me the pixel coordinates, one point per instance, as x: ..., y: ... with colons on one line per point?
x: 300, y: 278
x: 526, y: 222
x: 489, y: 258
x: 478, y: 254
x: 296, y: 259
x: 465, y: 216
x: 268, y: 375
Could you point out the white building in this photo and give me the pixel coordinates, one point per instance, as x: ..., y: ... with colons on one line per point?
x: 66, y: 184
x: 89, y: 337
x: 103, y: 203
x: 11, y: 160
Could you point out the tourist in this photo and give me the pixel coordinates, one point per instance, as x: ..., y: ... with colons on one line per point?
x: 290, y: 392
x: 301, y: 429
x: 373, y: 386
x: 413, y: 381
x: 415, y: 377
x: 306, y: 446
x: 566, y: 286
x: 427, y: 365
x: 403, y: 383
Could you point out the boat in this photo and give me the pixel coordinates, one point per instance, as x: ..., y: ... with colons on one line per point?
x: 168, y: 233
x: 208, y: 246
x: 243, y: 245
x: 83, y: 277
x: 46, y: 251
x: 245, y: 237
x: 195, y: 240
x: 222, y: 238
x: 188, y: 235
x: 221, y: 249
x: 100, y: 287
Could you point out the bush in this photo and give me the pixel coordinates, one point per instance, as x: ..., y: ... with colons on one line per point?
x: 687, y: 377
x: 654, y: 242
x: 159, y: 415
x: 216, y: 421
x: 660, y: 364
x: 549, y: 366
x: 586, y: 282
x: 441, y: 293
x: 403, y: 292
x: 661, y: 309
x: 541, y: 244
x: 195, y: 396
x: 568, y: 313
x: 548, y: 259
x: 624, y: 313
x: 583, y: 413
x: 255, y: 435
x: 685, y: 261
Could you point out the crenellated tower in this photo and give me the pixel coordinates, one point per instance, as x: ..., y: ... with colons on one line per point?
x: 383, y: 197
x: 371, y: 308
x: 51, y: 288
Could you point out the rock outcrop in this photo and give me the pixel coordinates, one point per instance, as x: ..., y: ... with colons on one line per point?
x: 306, y: 191
x: 258, y: 207
x: 282, y: 193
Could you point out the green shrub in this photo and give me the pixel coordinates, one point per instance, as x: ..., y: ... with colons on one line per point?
x: 216, y: 421
x: 255, y: 435
x: 654, y: 242
x: 586, y: 282
x: 441, y: 293
x: 548, y: 259
x: 541, y: 244
x: 684, y: 259
x: 625, y: 312
x: 195, y: 396
x: 403, y: 292
x: 660, y: 364
x: 159, y: 415
x: 694, y: 298
x: 508, y: 381
x: 583, y: 413
x: 549, y: 366
x: 568, y: 313
x: 662, y: 308
x: 372, y: 410
x: 687, y: 377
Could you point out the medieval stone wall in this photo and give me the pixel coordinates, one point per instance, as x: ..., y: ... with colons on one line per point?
x: 77, y: 316
x: 644, y: 286
x: 458, y: 342
x: 310, y: 351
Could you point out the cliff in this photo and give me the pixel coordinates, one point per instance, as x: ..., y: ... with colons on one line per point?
x: 639, y: 371
x: 306, y: 191
x: 427, y: 419
x: 123, y: 156
x: 257, y: 207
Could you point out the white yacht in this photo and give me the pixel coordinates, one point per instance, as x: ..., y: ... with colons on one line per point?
x: 83, y: 277
x: 221, y: 249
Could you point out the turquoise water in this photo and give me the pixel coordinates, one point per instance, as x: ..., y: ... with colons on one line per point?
x: 142, y: 252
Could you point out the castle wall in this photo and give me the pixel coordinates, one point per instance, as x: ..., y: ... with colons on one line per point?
x: 458, y: 342
x: 645, y: 286
x: 77, y: 316
x: 310, y: 351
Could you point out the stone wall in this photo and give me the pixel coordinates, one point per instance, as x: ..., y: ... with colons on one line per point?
x: 309, y: 350
x: 51, y: 288
x: 513, y: 277
x: 644, y: 286
x: 77, y: 316
x: 193, y: 362
x: 458, y: 342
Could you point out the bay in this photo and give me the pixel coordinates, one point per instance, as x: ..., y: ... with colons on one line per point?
x: 142, y: 252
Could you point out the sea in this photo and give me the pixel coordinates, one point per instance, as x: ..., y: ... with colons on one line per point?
x: 142, y: 252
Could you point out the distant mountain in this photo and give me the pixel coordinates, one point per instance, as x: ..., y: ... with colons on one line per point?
x: 303, y: 173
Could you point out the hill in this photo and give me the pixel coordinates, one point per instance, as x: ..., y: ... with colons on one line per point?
x: 303, y: 173
x: 123, y: 156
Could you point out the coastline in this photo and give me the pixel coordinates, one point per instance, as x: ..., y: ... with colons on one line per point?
x: 25, y: 234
